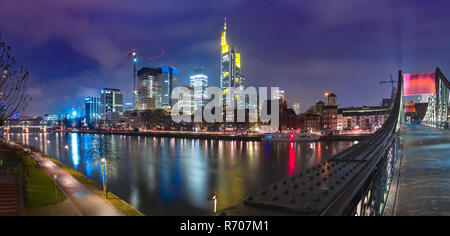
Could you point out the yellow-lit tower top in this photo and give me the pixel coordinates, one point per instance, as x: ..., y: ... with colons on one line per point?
x: 224, y: 38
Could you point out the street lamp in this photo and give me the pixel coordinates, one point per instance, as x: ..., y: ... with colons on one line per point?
x: 104, y: 170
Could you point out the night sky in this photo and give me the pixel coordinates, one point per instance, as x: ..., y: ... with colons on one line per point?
x: 74, y: 48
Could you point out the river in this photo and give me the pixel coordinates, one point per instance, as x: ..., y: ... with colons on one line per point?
x: 173, y: 176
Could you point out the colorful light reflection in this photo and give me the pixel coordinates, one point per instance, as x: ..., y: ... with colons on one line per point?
x: 291, y: 167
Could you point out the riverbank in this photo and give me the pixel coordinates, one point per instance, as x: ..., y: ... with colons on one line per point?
x: 38, y: 195
x: 213, y: 135
x: 44, y: 199
x: 179, y: 134
x: 125, y: 208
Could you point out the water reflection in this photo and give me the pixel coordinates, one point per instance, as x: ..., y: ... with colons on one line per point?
x: 169, y: 176
x: 291, y: 159
x: 74, y: 150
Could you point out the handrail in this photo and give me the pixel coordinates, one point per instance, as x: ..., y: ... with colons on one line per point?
x: 329, y: 188
x: 378, y: 141
x: 442, y: 77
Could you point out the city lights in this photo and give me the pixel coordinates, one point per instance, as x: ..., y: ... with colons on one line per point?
x: 284, y: 108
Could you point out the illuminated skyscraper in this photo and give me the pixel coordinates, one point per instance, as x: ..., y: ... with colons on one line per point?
x: 230, y: 70
x: 155, y: 86
x: 186, y: 101
x: 199, y: 81
x: 279, y: 94
x: 93, y: 109
x: 169, y: 81
x: 111, y: 104
x: 148, y: 88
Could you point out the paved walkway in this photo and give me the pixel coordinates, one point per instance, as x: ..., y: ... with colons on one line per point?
x: 424, y: 183
x: 88, y: 202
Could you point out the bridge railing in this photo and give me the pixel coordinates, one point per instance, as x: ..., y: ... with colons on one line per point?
x: 354, y: 182
x: 437, y: 114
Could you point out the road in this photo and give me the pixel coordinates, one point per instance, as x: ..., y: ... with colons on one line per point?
x: 424, y: 182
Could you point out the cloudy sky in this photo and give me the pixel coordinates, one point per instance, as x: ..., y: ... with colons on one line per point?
x: 74, y: 48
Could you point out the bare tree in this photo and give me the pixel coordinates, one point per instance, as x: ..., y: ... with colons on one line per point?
x: 13, y: 85
x: 102, y: 152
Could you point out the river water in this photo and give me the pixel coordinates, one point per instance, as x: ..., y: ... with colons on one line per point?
x: 172, y: 176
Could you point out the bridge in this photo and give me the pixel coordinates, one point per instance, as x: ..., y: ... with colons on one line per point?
x: 28, y: 128
x: 402, y: 169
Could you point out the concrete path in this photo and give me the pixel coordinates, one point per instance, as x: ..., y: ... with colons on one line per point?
x: 88, y: 202
x: 424, y: 182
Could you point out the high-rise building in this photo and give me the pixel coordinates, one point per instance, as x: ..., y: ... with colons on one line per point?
x: 279, y: 94
x: 111, y: 104
x: 128, y: 106
x: 296, y: 108
x: 199, y: 81
x: 92, y: 109
x: 230, y: 69
x: 78, y: 111
x: 168, y: 81
x: 148, y: 89
x: 186, y: 102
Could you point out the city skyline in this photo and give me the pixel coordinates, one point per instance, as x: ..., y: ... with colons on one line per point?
x: 296, y: 54
x: 224, y: 109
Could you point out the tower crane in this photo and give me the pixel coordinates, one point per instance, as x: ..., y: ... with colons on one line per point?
x: 133, y: 53
x: 393, y: 82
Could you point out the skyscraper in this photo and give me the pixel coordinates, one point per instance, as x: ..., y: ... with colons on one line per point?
x: 78, y: 111
x: 148, y: 89
x: 186, y: 101
x: 199, y: 81
x: 169, y: 81
x: 279, y: 94
x: 111, y: 104
x: 230, y: 69
x: 296, y: 108
x: 92, y: 109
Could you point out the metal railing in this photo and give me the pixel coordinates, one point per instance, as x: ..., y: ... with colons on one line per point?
x: 437, y: 114
x: 354, y: 182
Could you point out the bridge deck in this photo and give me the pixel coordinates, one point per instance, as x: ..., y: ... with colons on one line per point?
x: 424, y: 182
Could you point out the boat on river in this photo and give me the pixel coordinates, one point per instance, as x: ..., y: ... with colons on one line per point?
x: 290, y: 137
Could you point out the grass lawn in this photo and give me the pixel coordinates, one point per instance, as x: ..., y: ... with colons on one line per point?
x: 39, y: 186
x: 118, y: 203
x: 121, y: 205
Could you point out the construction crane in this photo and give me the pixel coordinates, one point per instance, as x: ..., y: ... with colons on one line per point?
x: 393, y: 82
x: 133, y: 53
x: 153, y: 58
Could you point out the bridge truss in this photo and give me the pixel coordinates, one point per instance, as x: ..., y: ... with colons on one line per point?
x: 437, y: 114
x: 356, y: 181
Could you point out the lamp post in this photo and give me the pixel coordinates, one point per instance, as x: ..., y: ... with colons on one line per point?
x: 104, y: 173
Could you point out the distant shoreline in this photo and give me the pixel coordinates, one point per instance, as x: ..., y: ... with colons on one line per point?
x: 215, y: 136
